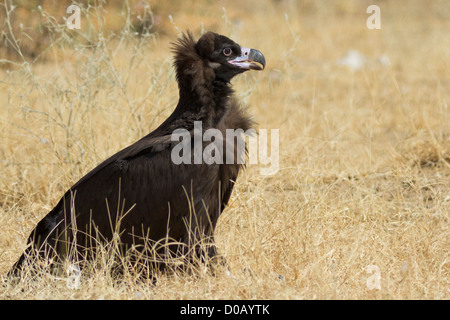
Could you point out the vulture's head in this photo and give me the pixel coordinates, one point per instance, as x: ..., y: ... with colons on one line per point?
x: 226, y: 57
x: 215, y: 57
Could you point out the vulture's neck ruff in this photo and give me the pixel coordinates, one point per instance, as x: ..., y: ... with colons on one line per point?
x: 204, y: 70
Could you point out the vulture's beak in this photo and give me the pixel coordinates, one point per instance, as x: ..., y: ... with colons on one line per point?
x: 249, y: 59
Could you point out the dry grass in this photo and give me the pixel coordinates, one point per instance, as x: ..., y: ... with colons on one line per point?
x: 364, y: 155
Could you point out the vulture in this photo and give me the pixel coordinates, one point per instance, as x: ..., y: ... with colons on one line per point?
x: 142, y: 200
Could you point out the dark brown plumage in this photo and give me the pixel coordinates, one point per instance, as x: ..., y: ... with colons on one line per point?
x: 155, y: 206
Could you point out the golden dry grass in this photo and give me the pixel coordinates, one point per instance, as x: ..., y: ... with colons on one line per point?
x: 364, y: 175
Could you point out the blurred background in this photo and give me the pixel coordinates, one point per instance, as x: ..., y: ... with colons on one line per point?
x: 36, y: 25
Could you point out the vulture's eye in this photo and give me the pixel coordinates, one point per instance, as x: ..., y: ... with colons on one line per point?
x: 227, y: 51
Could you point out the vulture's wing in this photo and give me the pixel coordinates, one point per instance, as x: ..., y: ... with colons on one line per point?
x: 139, y: 192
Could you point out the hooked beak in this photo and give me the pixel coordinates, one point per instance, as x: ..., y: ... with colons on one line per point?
x: 249, y: 59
